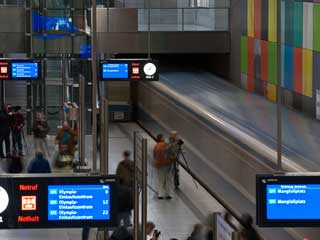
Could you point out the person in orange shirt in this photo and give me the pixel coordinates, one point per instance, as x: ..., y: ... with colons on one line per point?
x: 164, y: 166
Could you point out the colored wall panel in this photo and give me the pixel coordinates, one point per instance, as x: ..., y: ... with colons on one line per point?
x: 250, y: 80
x: 283, y: 21
x: 250, y: 18
x: 264, y: 61
x: 283, y: 60
x: 307, y: 65
x: 316, y: 70
x: 244, y: 54
x: 272, y: 63
x: 257, y: 19
x: 264, y: 19
x: 297, y: 70
x: 316, y: 26
x: 298, y: 24
x: 272, y: 23
x: 272, y: 92
x: 307, y: 25
x: 288, y: 67
x: 244, y: 18
x: 289, y: 5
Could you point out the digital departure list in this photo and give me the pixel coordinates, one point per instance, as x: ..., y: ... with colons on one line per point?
x: 293, y: 201
x: 78, y: 202
x: 115, y: 71
x: 25, y: 70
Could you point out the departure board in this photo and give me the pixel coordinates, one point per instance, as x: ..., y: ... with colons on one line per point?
x: 129, y: 69
x: 45, y: 201
x: 115, y: 71
x: 79, y: 202
x: 288, y: 201
x: 25, y: 70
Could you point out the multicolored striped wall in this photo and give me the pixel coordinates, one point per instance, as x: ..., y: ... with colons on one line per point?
x: 299, y: 47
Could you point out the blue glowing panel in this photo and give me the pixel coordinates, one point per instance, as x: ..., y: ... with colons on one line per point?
x: 115, y: 71
x: 24, y: 70
x: 293, y: 201
x: 78, y: 202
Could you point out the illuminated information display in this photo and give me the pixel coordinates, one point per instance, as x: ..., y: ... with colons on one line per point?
x: 129, y: 69
x: 57, y: 202
x: 115, y: 71
x: 20, y: 69
x: 288, y: 201
x: 79, y: 202
x: 293, y: 201
x: 25, y: 70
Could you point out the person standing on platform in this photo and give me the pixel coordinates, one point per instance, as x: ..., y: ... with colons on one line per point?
x: 164, y: 166
x: 39, y: 164
x: 40, y: 131
x: 17, y: 128
x: 66, y: 139
x: 173, y: 153
x: 5, y: 126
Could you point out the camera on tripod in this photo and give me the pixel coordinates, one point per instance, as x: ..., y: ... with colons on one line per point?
x: 180, y: 142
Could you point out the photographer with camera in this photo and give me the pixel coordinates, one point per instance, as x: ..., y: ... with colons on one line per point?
x: 164, y: 166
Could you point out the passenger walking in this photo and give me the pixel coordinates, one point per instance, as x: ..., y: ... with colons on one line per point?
x: 17, y: 131
x: 248, y: 232
x: 5, y: 126
x: 125, y: 174
x: 125, y: 170
x: 164, y: 166
x: 40, y: 131
x: 66, y: 139
x: 39, y: 164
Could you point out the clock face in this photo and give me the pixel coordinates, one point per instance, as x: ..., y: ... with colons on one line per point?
x: 149, y: 69
x: 4, y: 199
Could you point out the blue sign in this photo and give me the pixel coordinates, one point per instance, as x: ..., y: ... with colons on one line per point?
x: 25, y: 70
x: 293, y: 201
x: 78, y: 202
x: 115, y: 71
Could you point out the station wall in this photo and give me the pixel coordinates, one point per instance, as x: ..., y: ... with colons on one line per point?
x: 299, y: 44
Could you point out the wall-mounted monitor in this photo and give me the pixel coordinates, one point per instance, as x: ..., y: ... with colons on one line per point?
x: 25, y: 69
x: 44, y: 201
x: 129, y: 69
x: 20, y: 69
x: 288, y: 201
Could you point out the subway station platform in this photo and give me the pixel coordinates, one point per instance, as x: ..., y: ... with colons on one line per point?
x: 174, y: 218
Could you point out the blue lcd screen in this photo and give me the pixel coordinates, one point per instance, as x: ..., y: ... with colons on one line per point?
x: 78, y: 202
x: 293, y: 201
x: 115, y: 71
x: 25, y: 70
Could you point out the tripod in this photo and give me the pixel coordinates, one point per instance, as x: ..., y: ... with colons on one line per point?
x: 181, y: 155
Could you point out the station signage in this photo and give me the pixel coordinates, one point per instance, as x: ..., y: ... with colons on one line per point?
x: 288, y: 201
x: 129, y: 69
x: 20, y: 69
x: 57, y: 202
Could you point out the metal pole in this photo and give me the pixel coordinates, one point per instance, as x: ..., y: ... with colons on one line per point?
x: 94, y: 82
x: 136, y: 188
x: 279, y: 93
x: 144, y: 188
x: 64, y: 79
x: 82, y: 110
x: 104, y: 143
x: 149, y: 34
x: 2, y: 93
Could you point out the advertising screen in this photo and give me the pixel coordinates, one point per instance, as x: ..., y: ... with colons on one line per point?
x: 288, y: 201
x: 57, y: 202
x: 24, y: 70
